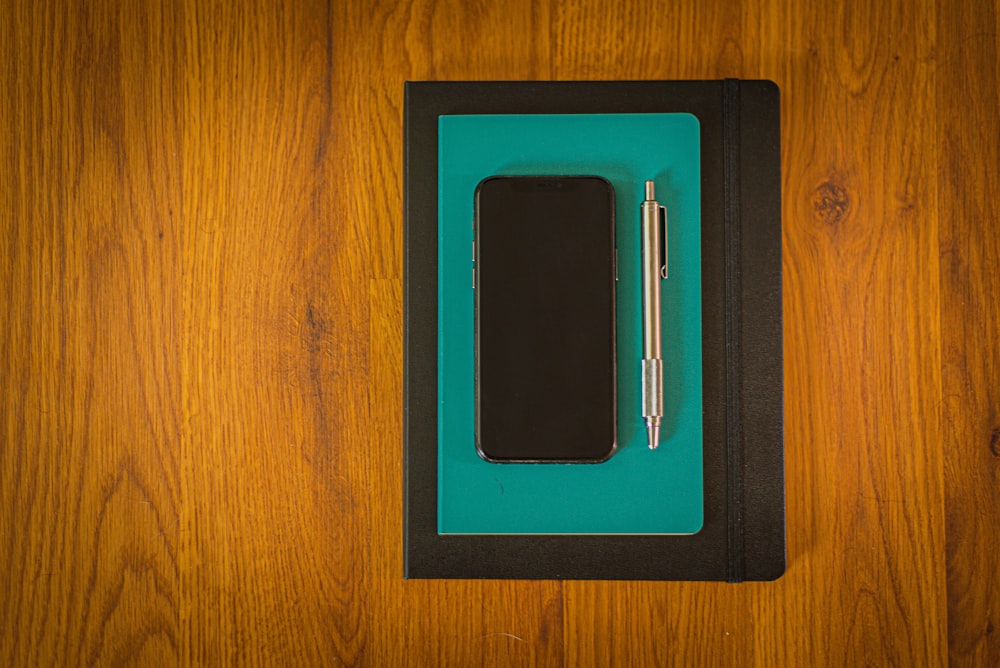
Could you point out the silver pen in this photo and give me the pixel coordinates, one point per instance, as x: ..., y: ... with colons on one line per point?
x: 653, y: 219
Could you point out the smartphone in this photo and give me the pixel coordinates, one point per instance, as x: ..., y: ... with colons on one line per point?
x: 544, y: 283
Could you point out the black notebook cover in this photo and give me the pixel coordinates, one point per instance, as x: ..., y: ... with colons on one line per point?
x: 743, y: 536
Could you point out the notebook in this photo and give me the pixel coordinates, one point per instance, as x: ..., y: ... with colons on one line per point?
x: 709, y: 503
x: 637, y: 491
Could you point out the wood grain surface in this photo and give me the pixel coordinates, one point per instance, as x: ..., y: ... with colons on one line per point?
x: 201, y: 334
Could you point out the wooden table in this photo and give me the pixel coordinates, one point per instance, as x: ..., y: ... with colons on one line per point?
x: 200, y: 351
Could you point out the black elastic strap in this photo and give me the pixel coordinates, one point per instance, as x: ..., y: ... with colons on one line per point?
x: 734, y: 430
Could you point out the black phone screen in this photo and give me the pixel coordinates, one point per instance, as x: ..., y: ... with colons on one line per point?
x: 544, y: 256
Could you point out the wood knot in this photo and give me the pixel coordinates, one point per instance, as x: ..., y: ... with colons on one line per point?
x: 831, y: 203
x: 995, y: 442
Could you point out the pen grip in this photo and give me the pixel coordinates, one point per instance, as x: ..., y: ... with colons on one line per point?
x: 652, y: 388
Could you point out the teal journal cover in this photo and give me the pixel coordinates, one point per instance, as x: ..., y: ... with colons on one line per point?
x: 637, y: 491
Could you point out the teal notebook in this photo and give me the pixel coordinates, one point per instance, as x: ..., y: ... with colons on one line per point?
x: 637, y: 491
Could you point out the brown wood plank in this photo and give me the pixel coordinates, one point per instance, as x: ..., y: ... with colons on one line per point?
x: 968, y: 135
x: 90, y: 360
x: 862, y: 364
x: 277, y: 426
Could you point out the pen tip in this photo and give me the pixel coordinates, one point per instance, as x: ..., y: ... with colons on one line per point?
x: 650, y: 190
x: 654, y: 436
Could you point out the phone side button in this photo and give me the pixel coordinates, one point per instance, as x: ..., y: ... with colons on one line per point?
x: 473, y: 278
x: 616, y: 263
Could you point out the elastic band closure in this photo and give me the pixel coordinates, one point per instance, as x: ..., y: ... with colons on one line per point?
x: 734, y: 430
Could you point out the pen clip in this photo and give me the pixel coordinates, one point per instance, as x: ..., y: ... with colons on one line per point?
x: 663, y: 242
